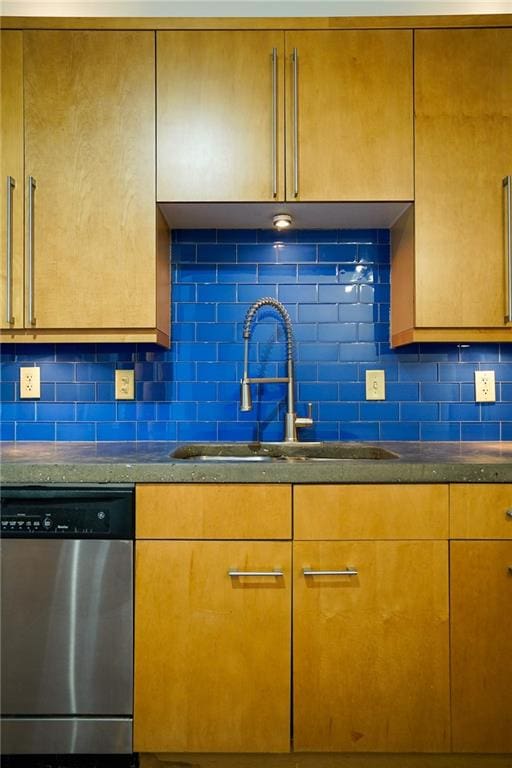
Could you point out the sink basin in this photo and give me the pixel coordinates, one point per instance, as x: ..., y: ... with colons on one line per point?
x: 255, y: 452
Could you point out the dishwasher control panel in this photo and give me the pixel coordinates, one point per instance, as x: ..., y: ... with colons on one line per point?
x: 68, y: 521
x: 73, y: 514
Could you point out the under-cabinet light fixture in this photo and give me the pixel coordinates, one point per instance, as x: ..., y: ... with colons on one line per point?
x: 282, y: 221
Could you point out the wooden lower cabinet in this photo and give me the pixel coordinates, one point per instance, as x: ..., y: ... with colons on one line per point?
x: 371, y: 653
x: 481, y: 511
x: 232, y: 511
x: 481, y: 611
x: 212, y: 652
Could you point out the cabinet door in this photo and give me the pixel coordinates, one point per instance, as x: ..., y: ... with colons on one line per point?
x: 371, y: 650
x: 212, y: 652
x: 463, y: 102
x: 354, y: 115
x: 11, y: 181
x: 481, y: 607
x: 89, y: 145
x: 220, y: 116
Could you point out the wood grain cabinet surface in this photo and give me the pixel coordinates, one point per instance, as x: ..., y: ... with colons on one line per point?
x: 213, y: 666
x: 482, y: 511
x: 12, y: 180
x: 481, y: 606
x: 481, y: 668
x: 354, y: 115
x: 449, y: 267
x: 388, y: 645
x: 221, y: 121
x: 370, y: 511
x: 212, y: 651
x: 212, y: 511
x: 216, y: 137
x: 96, y: 255
x: 371, y: 660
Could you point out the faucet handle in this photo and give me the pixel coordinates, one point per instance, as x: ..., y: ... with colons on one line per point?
x: 305, y: 421
x: 245, y: 395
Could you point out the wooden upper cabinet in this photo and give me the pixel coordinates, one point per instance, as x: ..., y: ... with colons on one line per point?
x: 463, y: 152
x: 449, y: 265
x: 97, y: 246
x: 350, y: 108
x: 11, y: 186
x: 220, y: 116
x: 89, y: 144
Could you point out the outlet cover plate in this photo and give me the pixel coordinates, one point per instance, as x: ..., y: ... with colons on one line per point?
x: 125, y: 385
x: 485, y: 387
x: 375, y: 385
x: 30, y: 383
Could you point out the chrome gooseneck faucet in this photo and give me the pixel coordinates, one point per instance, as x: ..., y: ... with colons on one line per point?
x: 292, y: 420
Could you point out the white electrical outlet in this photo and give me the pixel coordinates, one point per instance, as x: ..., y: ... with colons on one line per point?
x: 30, y: 383
x: 485, y: 387
x: 125, y: 385
x: 375, y: 385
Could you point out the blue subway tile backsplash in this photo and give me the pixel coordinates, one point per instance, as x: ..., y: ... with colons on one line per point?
x: 335, y: 285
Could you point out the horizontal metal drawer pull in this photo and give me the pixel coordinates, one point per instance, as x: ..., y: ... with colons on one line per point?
x: 509, y: 513
x: 234, y: 574
x: 346, y: 572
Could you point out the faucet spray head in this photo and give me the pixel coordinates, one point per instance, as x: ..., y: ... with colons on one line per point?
x: 245, y: 396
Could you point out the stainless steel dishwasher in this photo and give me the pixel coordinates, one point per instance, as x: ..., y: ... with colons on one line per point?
x: 67, y: 619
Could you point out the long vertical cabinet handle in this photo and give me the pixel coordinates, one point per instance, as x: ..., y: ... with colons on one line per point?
x: 507, y: 182
x: 295, y: 61
x: 274, y: 122
x: 31, y: 252
x: 11, y: 185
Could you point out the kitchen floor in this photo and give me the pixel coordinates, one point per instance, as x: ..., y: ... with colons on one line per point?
x: 69, y: 761
x: 257, y: 761
x: 326, y: 760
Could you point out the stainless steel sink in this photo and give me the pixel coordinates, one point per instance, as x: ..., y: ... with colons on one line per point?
x: 254, y: 452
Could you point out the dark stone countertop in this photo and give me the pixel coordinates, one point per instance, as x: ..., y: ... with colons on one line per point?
x: 150, y: 462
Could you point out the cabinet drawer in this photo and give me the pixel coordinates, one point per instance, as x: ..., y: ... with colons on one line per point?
x: 370, y: 511
x: 227, y: 511
x: 481, y: 511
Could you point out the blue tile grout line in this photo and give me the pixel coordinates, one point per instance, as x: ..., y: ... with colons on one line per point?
x: 335, y: 286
